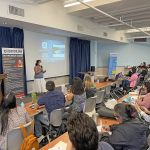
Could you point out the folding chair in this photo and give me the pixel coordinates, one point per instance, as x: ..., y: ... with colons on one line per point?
x: 15, y: 137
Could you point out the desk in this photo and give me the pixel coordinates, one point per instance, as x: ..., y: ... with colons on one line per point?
x: 104, y: 84
x: 64, y: 137
x: 33, y: 112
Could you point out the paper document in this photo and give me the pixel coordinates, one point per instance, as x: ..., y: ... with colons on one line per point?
x: 59, y: 146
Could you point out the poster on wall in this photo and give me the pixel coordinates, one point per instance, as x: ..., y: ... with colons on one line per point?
x: 13, y: 65
x: 112, y: 64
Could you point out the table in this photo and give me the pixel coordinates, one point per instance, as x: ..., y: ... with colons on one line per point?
x: 104, y: 84
x: 32, y: 112
x: 64, y: 138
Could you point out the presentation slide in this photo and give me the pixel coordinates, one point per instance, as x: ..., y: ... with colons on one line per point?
x: 52, y: 50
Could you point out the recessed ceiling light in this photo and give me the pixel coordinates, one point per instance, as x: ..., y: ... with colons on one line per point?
x: 70, y: 3
x: 136, y: 30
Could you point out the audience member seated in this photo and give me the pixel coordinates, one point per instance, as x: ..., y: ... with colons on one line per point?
x: 77, y: 95
x: 145, y: 101
x: 89, y: 86
x: 139, y: 69
x: 143, y: 73
x: 11, y: 117
x: 129, y: 74
x: 130, y: 82
x: 131, y: 133
x: 52, y: 100
x: 83, y: 134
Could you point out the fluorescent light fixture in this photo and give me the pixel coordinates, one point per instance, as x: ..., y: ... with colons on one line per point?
x: 74, y: 2
x: 135, y: 30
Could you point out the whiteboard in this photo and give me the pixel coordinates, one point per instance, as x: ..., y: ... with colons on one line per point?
x: 52, y: 50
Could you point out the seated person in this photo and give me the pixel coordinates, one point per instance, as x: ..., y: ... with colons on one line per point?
x: 89, y: 87
x: 83, y: 134
x: 77, y: 95
x: 52, y: 100
x: 129, y: 74
x: 145, y: 101
x: 143, y: 73
x: 130, y: 82
x: 11, y: 117
x: 130, y: 133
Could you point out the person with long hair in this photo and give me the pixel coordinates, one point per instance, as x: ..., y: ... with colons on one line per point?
x: 11, y: 117
x: 39, y: 81
x: 145, y: 101
x: 77, y: 95
x: 130, y: 133
x: 89, y: 86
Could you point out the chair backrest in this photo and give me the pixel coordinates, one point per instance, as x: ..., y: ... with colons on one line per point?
x: 118, y: 83
x: 56, y: 117
x: 15, y: 137
x: 107, y: 90
x: 100, y: 96
x: 90, y: 104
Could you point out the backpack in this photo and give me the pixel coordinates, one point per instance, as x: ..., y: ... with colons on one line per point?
x: 30, y: 141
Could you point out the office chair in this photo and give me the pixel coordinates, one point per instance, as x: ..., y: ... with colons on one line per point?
x: 55, y: 122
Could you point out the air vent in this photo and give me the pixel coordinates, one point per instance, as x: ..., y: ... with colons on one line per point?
x: 105, y: 34
x: 140, y: 40
x: 16, y: 11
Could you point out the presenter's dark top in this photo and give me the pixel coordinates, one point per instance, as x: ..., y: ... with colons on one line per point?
x: 52, y: 100
x: 38, y: 70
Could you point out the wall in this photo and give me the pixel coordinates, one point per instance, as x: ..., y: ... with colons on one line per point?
x: 54, y: 15
x: 128, y: 54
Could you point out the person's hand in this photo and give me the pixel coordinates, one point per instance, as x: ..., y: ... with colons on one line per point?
x: 105, y: 129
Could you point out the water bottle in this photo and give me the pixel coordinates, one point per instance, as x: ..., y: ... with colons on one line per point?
x: 34, y: 98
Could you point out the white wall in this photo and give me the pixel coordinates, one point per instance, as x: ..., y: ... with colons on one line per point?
x: 128, y: 54
x: 54, y: 15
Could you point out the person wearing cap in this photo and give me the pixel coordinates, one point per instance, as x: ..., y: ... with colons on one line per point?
x: 52, y: 100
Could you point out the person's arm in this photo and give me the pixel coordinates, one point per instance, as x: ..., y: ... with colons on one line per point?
x: 37, y: 70
x: 27, y: 117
